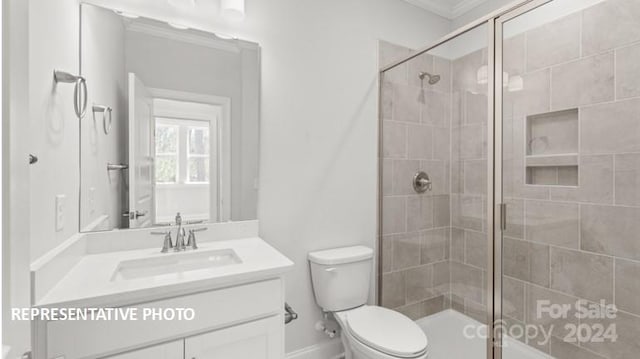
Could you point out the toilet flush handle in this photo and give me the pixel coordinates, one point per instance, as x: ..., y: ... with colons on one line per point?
x: 330, y: 270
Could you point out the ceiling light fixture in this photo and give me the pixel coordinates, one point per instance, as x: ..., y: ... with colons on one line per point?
x: 233, y: 9
x: 178, y: 26
x: 128, y: 15
x: 225, y: 36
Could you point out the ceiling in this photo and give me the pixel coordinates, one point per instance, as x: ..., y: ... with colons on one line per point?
x: 447, y: 8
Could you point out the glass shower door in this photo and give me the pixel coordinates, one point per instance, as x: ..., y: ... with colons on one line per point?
x: 570, y: 173
x: 434, y: 191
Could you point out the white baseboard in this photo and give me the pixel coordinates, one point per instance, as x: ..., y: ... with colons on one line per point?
x: 326, y: 350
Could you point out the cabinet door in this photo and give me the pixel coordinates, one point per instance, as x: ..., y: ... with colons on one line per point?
x: 261, y: 339
x: 171, y: 350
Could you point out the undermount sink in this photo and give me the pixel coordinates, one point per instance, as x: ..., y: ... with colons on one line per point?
x: 174, y: 263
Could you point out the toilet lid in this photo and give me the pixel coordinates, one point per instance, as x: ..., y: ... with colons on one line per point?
x: 387, y: 331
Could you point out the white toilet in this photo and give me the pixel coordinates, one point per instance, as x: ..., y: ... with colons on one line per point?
x: 341, y: 278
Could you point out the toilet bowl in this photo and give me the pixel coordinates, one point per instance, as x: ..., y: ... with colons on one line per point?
x: 372, y: 332
x: 341, y: 278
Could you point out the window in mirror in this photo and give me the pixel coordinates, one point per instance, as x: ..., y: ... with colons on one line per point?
x: 198, y: 156
x: 166, y: 153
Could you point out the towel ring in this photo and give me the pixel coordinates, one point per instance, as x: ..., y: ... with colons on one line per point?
x: 106, y: 125
x: 79, y: 99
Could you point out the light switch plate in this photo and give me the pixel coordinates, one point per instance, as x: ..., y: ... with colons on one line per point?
x: 60, y: 212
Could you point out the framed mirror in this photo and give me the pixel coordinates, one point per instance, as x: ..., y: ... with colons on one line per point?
x: 172, y: 123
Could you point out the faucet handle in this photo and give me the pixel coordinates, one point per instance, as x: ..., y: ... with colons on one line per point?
x: 191, y: 241
x: 167, y: 240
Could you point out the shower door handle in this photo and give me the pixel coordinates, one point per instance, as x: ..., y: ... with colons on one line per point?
x: 503, y: 216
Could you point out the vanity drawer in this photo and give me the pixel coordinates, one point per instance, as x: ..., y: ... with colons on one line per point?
x: 213, y: 310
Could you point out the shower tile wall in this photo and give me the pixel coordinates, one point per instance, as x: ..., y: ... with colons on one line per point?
x: 570, y: 243
x: 562, y: 243
x: 416, y: 227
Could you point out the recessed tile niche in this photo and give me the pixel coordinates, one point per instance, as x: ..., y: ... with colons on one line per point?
x: 552, y: 148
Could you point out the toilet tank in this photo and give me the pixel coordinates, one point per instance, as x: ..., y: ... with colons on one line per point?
x: 341, y: 277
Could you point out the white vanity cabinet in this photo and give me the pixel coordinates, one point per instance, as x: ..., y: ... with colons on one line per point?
x: 242, y: 321
x: 172, y: 350
x: 260, y: 339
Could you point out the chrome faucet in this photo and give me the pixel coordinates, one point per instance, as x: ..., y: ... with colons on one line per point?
x: 191, y: 242
x: 180, y: 235
x: 167, y: 244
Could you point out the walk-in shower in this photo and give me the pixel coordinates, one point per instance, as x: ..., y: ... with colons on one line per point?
x: 530, y: 138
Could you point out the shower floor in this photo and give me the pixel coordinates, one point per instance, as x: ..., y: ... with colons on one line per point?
x: 445, y: 332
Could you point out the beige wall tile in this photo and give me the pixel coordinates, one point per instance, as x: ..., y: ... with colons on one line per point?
x: 581, y: 274
x: 394, y: 139
x: 467, y: 212
x: 406, y: 104
x: 457, y: 245
x: 469, y: 142
x: 542, y: 297
x: 627, y: 179
x: 406, y: 251
x: 419, y: 283
x: 403, y: 173
x: 393, y: 289
x: 515, y: 218
x: 436, y: 108
x: 595, y: 182
x: 394, y: 215
x: 476, y: 249
x: 513, y: 299
x: 611, y: 24
x: 441, y: 143
x: 534, y: 98
x: 466, y: 282
x: 434, y: 246
x: 419, y: 213
x: 438, y: 172
x: 610, y: 128
x: 475, y: 176
x: 386, y: 253
x: 583, y: 82
x: 611, y: 230
x: 441, y: 282
x: 628, y: 72
x: 387, y: 177
x: 627, y: 287
x: 441, y: 211
x: 562, y: 350
x: 420, y: 142
x: 552, y: 223
x: 526, y: 261
x: 553, y: 43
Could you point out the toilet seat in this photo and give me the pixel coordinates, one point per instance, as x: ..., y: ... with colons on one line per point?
x: 386, y: 331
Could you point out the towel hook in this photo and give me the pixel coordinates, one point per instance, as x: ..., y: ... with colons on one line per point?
x: 79, y: 99
x: 106, y: 126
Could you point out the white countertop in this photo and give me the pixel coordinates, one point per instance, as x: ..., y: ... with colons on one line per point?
x: 89, y: 282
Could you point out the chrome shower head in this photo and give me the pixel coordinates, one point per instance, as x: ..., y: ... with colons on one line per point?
x: 433, y: 79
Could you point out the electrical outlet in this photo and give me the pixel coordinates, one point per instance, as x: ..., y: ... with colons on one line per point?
x: 60, y: 212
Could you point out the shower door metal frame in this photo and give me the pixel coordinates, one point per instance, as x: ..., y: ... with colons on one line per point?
x: 496, y: 208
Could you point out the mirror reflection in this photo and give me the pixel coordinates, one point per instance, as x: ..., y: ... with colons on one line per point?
x: 171, y: 124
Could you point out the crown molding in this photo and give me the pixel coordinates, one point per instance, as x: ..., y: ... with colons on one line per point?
x: 187, y: 36
x: 440, y: 7
x: 465, y: 6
